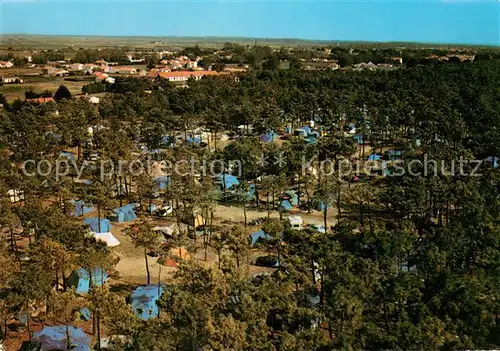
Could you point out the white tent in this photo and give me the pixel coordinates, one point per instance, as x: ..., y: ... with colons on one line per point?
x: 108, y: 238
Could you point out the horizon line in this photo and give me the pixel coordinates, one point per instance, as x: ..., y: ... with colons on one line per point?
x: 230, y: 38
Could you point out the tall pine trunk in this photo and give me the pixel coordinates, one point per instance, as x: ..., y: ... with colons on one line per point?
x: 147, y: 265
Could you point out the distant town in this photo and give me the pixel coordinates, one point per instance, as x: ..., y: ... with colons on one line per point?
x: 80, y: 68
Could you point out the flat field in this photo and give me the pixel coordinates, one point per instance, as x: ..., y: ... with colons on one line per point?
x: 39, y: 84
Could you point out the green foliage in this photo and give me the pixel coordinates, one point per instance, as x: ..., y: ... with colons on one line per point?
x: 62, y: 93
x: 411, y: 262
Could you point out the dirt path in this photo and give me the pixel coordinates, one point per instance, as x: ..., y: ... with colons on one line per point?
x: 131, y: 267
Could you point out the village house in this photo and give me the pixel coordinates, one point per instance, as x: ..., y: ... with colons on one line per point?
x: 230, y: 69
x: 123, y: 70
x: 463, y: 57
x: 40, y: 100
x: 6, y: 64
x: 437, y: 57
x: 183, y: 76
x: 54, y: 71
x: 75, y: 66
x: 153, y: 73
x: 89, y: 67
x: 12, y: 80
x: 398, y: 60
x: 103, y: 77
x: 101, y: 63
x: 363, y: 65
x: 133, y: 60
x: 61, y: 73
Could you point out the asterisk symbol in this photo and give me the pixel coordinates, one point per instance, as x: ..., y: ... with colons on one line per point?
x: 262, y: 160
x: 280, y: 160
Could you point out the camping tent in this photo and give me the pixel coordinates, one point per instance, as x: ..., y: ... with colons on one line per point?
x: 228, y: 179
x: 144, y: 300
x: 107, y: 237
x: 54, y: 338
x: 320, y: 206
x: 258, y: 235
x: 67, y: 155
x: 493, y: 160
x: 93, y: 222
x: 174, y: 256
x: 311, y: 140
x: 198, y: 221
x: 81, y: 208
x: 152, y: 208
x: 124, y: 214
x: 165, y: 142
x: 394, y: 154
x: 294, y: 199
x: 251, y: 192
x: 179, y: 252
x: 268, y: 137
x: 374, y: 157
x: 358, y: 138
x: 81, y: 280
x: 194, y: 140
x: 167, y: 231
x: 301, y: 132
x: 162, y: 182
x: 285, y: 205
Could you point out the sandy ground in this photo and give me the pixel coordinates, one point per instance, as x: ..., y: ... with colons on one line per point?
x: 131, y: 268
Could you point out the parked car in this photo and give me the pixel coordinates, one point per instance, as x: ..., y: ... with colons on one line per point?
x: 163, y: 211
x: 319, y: 228
x: 267, y: 261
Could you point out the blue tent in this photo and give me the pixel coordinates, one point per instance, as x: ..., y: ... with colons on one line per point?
x: 321, y: 206
x: 358, y: 138
x: 311, y: 140
x: 94, y: 224
x: 68, y: 155
x: 493, y: 160
x: 54, y: 338
x: 228, y: 179
x: 165, y: 142
x: 124, y: 214
x: 294, y: 198
x: 144, y: 299
x: 80, y: 279
x: 80, y: 208
x: 85, y: 313
x: 300, y: 132
x: 314, y: 133
x: 251, y: 192
x: 395, y: 154
x: 285, y: 205
x: 306, y: 129
x: 152, y: 208
x: 268, y: 137
x: 162, y: 182
x: 258, y: 235
x: 374, y: 157
x: 194, y: 140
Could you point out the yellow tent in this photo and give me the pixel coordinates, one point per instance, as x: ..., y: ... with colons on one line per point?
x: 199, y: 221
